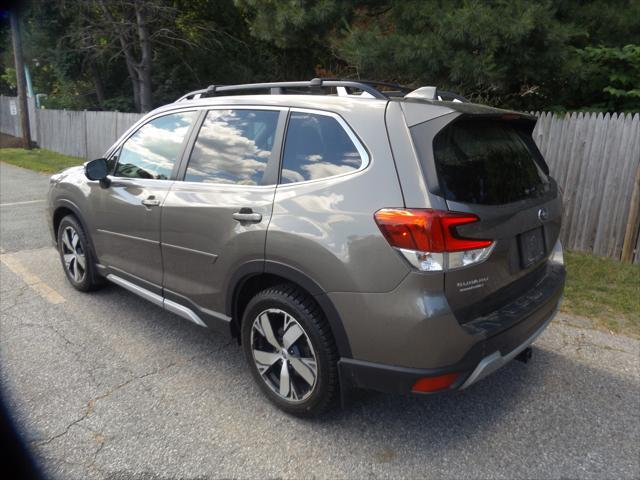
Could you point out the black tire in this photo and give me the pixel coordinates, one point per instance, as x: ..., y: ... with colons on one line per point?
x: 89, y: 279
x: 309, y: 317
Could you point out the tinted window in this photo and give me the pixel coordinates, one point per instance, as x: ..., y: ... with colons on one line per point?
x: 153, y: 150
x: 233, y: 146
x: 317, y: 147
x: 486, y: 162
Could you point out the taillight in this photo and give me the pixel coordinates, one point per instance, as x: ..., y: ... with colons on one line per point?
x: 428, y: 238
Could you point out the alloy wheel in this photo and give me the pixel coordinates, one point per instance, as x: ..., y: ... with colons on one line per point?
x: 75, y: 261
x: 283, y: 355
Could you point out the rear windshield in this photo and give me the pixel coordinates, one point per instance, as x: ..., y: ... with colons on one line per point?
x: 487, y: 162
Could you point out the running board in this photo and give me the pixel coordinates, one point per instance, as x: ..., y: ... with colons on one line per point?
x: 158, y: 300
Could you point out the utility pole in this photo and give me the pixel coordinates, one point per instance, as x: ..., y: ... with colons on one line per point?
x: 20, y: 78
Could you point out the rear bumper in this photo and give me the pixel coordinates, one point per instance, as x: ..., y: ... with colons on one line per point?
x: 493, y: 362
x: 390, y: 379
x: 493, y: 349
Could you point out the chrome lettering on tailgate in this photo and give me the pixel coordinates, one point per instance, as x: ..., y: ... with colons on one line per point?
x: 472, y: 284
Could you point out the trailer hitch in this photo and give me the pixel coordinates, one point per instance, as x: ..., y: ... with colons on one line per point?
x: 525, y: 355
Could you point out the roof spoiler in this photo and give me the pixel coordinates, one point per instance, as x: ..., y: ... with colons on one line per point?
x: 432, y: 93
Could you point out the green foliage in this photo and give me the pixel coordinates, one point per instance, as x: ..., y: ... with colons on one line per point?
x: 292, y: 24
x: 120, y: 103
x: 621, y: 68
x: 9, y: 78
x: 530, y: 55
x: 520, y: 53
x: 516, y: 61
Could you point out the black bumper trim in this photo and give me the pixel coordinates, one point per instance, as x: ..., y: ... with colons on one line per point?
x: 394, y: 379
x: 388, y: 378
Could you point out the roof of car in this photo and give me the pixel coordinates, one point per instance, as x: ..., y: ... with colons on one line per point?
x: 320, y: 93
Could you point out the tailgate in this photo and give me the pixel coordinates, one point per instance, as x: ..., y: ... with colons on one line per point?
x: 489, y: 166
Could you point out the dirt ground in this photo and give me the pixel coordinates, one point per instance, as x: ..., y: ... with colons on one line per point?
x: 8, y: 141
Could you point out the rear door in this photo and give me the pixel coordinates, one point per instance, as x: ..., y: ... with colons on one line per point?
x: 489, y: 166
x: 215, y: 218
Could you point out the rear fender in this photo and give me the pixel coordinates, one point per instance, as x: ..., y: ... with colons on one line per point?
x: 295, y: 276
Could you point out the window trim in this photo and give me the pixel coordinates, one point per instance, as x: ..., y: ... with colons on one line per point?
x: 273, y: 163
x: 135, y: 128
x: 364, y: 153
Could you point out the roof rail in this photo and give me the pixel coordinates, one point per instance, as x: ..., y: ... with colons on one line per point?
x: 343, y: 87
x: 277, y: 88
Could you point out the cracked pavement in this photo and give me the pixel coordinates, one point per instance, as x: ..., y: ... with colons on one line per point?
x: 107, y: 386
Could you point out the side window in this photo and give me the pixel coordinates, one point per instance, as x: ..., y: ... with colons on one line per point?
x: 317, y: 146
x: 153, y: 150
x: 233, y: 146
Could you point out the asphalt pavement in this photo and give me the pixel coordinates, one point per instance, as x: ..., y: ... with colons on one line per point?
x: 105, y: 385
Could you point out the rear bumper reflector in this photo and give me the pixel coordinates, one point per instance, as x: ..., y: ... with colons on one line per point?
x: 434, y: 384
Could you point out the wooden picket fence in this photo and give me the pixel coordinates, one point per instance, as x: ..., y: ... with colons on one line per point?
x: 595, y: 158
x: 82, y: 134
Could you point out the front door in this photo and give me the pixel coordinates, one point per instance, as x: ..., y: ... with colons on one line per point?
x: 216, y: 218
x: 127, y: 212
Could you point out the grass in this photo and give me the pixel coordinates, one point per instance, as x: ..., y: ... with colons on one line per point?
x: 605, y: 291
x: 37, y: 159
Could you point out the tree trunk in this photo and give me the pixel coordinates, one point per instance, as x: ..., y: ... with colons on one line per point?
x: 144, y: 67
x: 130, y: 60
x: 135, y: 83
x: 97, y: 82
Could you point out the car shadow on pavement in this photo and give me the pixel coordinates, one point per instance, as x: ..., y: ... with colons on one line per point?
x: 553, y: 397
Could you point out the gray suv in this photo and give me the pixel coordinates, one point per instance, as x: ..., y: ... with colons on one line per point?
x: 348, y: 234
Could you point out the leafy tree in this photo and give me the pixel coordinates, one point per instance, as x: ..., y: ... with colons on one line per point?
x: 290, y: 24
x: 131, y: 30
x: 508, y: 53
x: 621, y: 69
x: 520, y: 54
x: 135, y: 54
x: 301, y: 32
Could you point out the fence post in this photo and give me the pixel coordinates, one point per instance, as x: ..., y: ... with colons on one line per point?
x: 115, y: 126
x: 86, y: 141
x: 38, y: 114
x: 633, y: 222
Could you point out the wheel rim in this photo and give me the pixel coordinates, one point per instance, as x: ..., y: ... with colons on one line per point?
x: 75, y: 262
x: 283, y: 355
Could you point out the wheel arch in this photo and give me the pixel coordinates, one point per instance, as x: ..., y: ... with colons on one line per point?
x: 254, y: 276
x: 58, y: 214
x: 61, y: 209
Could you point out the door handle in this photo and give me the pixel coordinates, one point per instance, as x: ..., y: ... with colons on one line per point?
x: 150, y: 202
x: 247, y: 215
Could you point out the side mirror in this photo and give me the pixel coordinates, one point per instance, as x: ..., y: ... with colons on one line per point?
x: 97, y: 170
